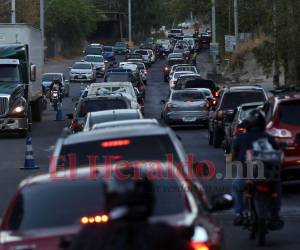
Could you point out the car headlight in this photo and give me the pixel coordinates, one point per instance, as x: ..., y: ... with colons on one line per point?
x: 19, y: 107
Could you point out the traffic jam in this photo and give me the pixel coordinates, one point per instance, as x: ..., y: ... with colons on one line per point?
x: 122, y: 161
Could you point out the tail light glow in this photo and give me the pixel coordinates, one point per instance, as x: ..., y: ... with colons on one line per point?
x: 74, y: 125
x: 263, y: 188
x: 94, y: 219
x: 198, y: 246
x: 240, y: 130
x: 166, y: 68
x: 115, y: 143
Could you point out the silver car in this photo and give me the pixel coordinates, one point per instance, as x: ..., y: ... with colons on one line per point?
x: 98, y: 63
x: 48, y: 78
x: 185, y: 107
x: 82, y: 72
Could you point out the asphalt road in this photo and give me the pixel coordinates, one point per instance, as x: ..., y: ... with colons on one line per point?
x: 45, y: 134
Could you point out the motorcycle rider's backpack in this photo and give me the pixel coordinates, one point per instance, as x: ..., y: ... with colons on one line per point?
x: 265, y: 160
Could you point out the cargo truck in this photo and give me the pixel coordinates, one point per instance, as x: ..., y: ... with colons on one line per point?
x: 21, y: 65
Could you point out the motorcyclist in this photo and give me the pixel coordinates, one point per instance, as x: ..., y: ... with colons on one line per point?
x: 129, y: 204
x: 255, y: 124
x: 57, y: 85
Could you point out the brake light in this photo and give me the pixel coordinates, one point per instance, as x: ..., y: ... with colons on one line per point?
x: 74, y: 125
x: 198, y: 245
x: 115, y: 143
x: 166, y: 68
x: 281, y: 133
x: 216, y: 94
x: 240, y: 130
x: 94, y: 219
x: 264, y: 188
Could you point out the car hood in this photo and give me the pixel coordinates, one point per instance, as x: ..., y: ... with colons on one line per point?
x: 10, y: 87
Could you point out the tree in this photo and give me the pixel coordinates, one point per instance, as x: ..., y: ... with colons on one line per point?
x: 69, y: 21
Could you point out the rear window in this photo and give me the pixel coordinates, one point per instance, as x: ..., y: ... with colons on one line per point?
x: 142, y: 52
x: 116, y: 117
x: 136, y: 149
x: 108, y: 49
x: 289, y: 112
x: 188, y: 96
x: 100, y: 104
x: 118, y: 78
x: 173, y: 62
x: 93, y: 50
x: 94, y: 59
x: 63, y: 203
x: 231, y: 100
x: 199, y: 83
x: 51, y: 77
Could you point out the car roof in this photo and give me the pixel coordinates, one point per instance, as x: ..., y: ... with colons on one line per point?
x: 250, y: 104
x: 83, y: 63
x: 185, y: 90
x: 183, y: 72
x: 53, y: 73
x: 110, y: 132
x: 113, y: 112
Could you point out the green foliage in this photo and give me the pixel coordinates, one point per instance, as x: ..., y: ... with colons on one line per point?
x: 71, y: 21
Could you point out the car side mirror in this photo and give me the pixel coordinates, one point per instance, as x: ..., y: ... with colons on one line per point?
x: 32, y: 72
x: 162, y: 102
x: 70, y: 116
x: 221, y: 202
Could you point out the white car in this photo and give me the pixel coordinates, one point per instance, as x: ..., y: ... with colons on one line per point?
x: 131, y: 66
x: 98, y: 63
x: 140, y: 67
x: 176, y: 75
x: 152, y: 56
x: 191, y: 42
x: 82, y: 71
x: 165, y: 43
x: 116, y: 88
x: 146, y: 56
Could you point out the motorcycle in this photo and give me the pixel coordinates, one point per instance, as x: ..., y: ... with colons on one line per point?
x: 55, y: 99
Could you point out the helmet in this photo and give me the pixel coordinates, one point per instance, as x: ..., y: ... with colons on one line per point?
x: 255, y: 120
x: 129, y: 197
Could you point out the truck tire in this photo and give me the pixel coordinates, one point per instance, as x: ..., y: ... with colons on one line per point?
x: 36, y: 110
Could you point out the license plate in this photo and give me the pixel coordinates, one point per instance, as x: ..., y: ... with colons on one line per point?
x: 80, y: 77
x: 189, y: 119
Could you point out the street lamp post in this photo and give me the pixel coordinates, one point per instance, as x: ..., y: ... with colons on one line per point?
x: 236, y: 22
x: 129, y: 22
x: 13, y: 11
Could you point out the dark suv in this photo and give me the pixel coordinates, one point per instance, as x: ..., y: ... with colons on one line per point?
x: 221, y: 114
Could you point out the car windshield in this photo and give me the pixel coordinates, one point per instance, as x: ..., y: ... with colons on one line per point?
x: 113, y: 117
x: 135, y: 56
x: 50, y: 77
x: 136, y: 149
x: 100, y: 104
x: 175, y: 31
x: 289, y: 112
x: 140, y: 66
x: 108, y: 49
x: 188, y: 96
x: 94, y: 59
x: 232, y: 100
x: 9, y: 73
x: 93, y: 50
x: 142, y: 52
x: 63, y: 203
x: 82, y: 66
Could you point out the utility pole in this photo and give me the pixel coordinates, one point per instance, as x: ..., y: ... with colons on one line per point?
x: 42, y: 18
x: 213, y: 18
x: 129, y: 22
x: 236, y: 22
x: 275, y: 47
x: 13, y: 11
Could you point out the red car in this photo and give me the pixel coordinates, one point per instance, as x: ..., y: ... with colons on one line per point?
x: 46, y: 212
x: 283, y: 122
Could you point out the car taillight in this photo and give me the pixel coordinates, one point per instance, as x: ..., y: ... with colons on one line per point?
x: 166, y: 68
x: 115, y: 143
x: 240, y: 130
x: 281, y: 133
x: 194, y: 245
x: 94, y: 219
x: 216, y: 94
x: 74, y: 125
x: 264, y: 188
x: 169, y: 105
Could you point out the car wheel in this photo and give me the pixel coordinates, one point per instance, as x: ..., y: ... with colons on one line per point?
x: 165, y: 79
x: 217, y: 139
